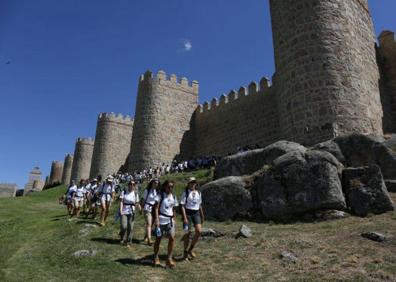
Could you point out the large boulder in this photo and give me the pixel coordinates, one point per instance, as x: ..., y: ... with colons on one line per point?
x: 365, y: 190
x: 331, y: 147
x: 297, y: 183
x: 363, y: 150
x: 248, y: 162
x: 227, y: 198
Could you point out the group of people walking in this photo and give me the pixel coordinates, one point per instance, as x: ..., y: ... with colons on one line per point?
x: 158, y: 204
x: 89, y: 195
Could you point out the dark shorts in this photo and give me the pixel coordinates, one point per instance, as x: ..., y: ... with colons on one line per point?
x: 168, y: 230
x: 193, y: 217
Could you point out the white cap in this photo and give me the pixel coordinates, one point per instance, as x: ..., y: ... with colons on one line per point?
x: 192, y: 179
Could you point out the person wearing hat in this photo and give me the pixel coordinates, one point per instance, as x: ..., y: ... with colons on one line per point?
x: 78, y: 198
x: 91, y: 199
x: 129, y: 201
x: 164, y: 209
x: 69, y: 196
x: 107, y: 193
x: 149, y: 196
x: 192, y: 215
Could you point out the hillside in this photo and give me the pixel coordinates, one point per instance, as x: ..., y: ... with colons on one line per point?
x: 37, y: 243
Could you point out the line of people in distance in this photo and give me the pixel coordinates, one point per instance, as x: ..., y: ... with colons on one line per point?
x: 158, y: 205
x: 175, y: 167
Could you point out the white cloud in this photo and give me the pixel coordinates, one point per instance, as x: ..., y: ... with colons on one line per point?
x: 187, y: 45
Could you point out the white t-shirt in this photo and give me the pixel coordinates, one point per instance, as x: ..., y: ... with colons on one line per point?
x: 88, y: 188
x: 107, y: 189
x: 150, y: 199
x: 128, y: 198
x: 80, y: 191
x: 194, y: 200
x: 94, y: 188
x: 71, y: 190
x: 166, y: 208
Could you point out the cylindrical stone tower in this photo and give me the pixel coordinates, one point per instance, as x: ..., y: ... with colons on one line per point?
x: 67, y: 168
x: 56, y: 172
x: 326, y: 73
x: 163, y: 113
x: 112, y: 144
x: 82, y: 159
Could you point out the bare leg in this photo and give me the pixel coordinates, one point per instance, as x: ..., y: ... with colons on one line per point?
x: 198, y: 230
x: 171, y: 245
x: 156, y: 247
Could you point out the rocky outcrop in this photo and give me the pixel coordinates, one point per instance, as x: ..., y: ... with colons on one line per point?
x: 226, y: 198
x: 286, y: 180
x: 298, y: 183
x: 362, y: 150
x: 248, y: 162
x: 331, y: 147
x: 365, y: 191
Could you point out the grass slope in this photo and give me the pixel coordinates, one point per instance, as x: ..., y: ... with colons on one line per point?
x: 37, y: 242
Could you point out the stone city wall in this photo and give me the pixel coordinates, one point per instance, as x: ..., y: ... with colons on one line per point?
x: 67, y: 168
x: 56, y: 172
x: 326, y: 72
x: 112, y: 144
x: 8, y: 190
x: 82, y: 159
x: 163, y: 112
x: 386, y: 53
x: 247, y: 117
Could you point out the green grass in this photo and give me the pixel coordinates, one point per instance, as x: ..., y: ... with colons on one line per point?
x: 37, y: 242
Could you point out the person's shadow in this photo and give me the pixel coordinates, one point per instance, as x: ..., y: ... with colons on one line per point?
x: 145, y: 261
x: 113, y: 241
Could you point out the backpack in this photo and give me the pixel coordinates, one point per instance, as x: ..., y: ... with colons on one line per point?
x: 163, y: 195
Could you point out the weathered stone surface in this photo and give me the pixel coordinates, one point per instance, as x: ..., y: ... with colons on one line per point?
x: 67, y: 169
x: 246, y: 163
x: 390, y: 185
x: 84, y: 253
x: 82, y: 159
x: 325, y: 91
x: 164, y: 109
x: 331, y: 214
x: 365, y: 190
x: 386, y: 57
x: 299, y: 183
x: 288, y: 256
x: 56, y: 172
x: 331, y: 147
x: 361, y: 150
x: 244, y: 232
x: 226, y: 198
x: 375, y: 236
x: 112, y: 144
x: 390, y: 140
x: 207, y: 233
x: 8, y: 190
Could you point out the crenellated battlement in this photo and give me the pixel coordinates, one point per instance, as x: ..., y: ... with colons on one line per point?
x: 112, y: 117
x: 170, y: 81
x: 254, y: 88
x: 87, y: 141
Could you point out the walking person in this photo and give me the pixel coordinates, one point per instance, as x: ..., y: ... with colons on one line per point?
x: 78, y: 198
x: 164, y: 221
x: 129, y: 201
x: 192, y: 214
x: 149, y: 196
x: 91, y: 198
x: 69, y: 197
x: 107, y: 193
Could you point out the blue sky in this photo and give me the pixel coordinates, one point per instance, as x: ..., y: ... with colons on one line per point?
x: 63, y: 62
